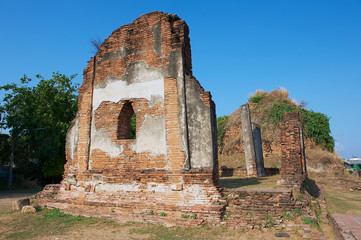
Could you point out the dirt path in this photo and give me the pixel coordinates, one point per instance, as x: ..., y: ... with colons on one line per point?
x: 7, y: 197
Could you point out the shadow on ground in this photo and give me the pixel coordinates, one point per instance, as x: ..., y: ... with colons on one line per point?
x: 12, y: 193
x: 310, y: 186
x: 260, y: 182
x: 239, y: 182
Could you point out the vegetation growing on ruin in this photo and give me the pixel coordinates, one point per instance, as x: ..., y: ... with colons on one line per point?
x: 258, y: 97
x: 221, y: 129
x: 133, y: 127
x: 317, y: 127
x: 268, y: 109
x: 278, y: 110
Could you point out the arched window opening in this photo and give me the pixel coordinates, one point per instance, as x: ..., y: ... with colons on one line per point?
x: 126, y: 122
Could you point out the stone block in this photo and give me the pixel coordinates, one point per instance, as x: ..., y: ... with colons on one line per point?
x: 18, y: 204
x: 28, y: 209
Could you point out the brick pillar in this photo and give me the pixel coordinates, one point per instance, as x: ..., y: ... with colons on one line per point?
x: 258, y: 149
x: 293, y: 169
x: 248, y: 141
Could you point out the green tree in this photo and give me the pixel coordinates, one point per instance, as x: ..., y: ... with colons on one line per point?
x: 38, y: 118
x: 5, y: 147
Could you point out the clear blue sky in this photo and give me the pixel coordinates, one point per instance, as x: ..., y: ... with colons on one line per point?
x: 310, y: 47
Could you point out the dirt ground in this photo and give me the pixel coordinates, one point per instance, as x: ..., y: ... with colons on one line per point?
x: 7, y: 198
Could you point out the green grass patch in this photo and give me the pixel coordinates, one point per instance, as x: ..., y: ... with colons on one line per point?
x: 19, y: 235
x: 310, y: 222
x: 343, y: 201
x: 44, y: 223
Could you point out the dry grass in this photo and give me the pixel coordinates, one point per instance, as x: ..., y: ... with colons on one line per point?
x: 258, y: 92
x: 339, y: 191
x: 238, y: 160
x: 319, y: 160
x: 232, y: 161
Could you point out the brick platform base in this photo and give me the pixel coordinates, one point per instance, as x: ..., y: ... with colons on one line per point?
x: 346, y: 226
x: 237, y: 208
x: 261, y: 207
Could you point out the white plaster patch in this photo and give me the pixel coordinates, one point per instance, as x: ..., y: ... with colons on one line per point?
x: 138, y: 81
x: 117, y: 187
x: 131, y: 187
x: 117, y: 90
x: 151, y: 136
x: 72, y: 138
x: 198, y: 193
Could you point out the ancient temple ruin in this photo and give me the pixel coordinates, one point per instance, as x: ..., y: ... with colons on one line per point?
x: 143, y: 145
x: 170, y: 167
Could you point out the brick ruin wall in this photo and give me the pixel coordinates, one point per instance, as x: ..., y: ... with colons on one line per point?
x: 170, y: 170
x: 258, y: 207
x: 171, y: 167
x: 293, y: 169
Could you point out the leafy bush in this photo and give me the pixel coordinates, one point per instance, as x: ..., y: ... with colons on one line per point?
x: 278, y: 110
x: 317, y: 127
x: 221, y: 129
x: 133, y: 126
x: 258, y: 97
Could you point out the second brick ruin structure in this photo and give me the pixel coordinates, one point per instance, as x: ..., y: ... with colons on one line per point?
x: 293, y: 169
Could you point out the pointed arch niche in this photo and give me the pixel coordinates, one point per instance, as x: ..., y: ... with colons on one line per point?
x: 126, y: 122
